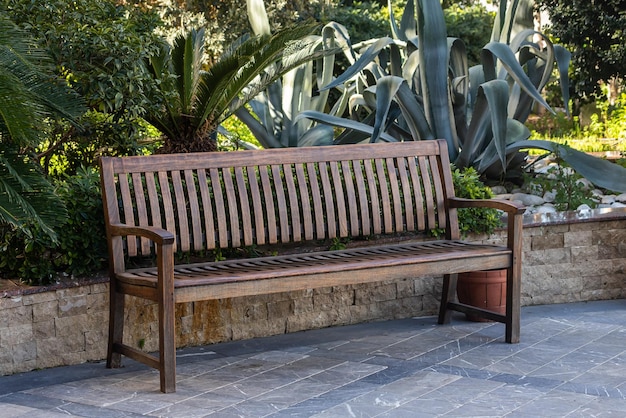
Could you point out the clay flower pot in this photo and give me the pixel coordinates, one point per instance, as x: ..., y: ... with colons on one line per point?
x: 483, y: 289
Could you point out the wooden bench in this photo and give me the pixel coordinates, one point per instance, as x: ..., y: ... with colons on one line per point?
x: 164, y: 204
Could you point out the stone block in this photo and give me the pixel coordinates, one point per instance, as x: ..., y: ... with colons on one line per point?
x: 302, y: 306
x: 405, y: 288
x: 71, y: 326
x: 98, y: 302
x: 547, y: 256
x: 73, y: 305
x: 578, y: 239
x: 17, y: 334
x: 383, y: 292
x: 45, y: 311
x: 44, y: 329
x: 39, y: 297
x: 584, y: 254
x: 24, y: 352
x: 280, y: 309
x: 12, y: 302
x: 16, y: 315
x: 548, y: 241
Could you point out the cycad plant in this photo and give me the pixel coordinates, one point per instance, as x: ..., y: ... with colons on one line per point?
x: 418, y: 86
x: 29, y: 97
x: 195, y: 96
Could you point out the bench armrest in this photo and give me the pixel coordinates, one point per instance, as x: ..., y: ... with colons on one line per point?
x: 511, y: 208
x: 159, y: 235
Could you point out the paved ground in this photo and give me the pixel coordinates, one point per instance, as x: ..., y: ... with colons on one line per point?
x: 571, y: 362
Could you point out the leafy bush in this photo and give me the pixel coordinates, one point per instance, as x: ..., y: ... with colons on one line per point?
x: 570, y: 193
x: 32, y: 256
x: 467, y: 184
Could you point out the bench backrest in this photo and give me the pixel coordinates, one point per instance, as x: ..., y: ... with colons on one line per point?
x: 245, y: 198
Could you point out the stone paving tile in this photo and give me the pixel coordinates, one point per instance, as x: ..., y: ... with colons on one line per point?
x: 571, y: 362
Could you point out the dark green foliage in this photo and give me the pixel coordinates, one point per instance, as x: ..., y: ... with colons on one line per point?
x: 467, y: 184
x: 364, y: 20
x: 33, y: 257
x: 471, y: 24
x: 99, y: 47
x: 595, y: 32
x: 570, y: 192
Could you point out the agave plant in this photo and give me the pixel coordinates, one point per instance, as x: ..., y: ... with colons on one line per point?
x: 197, y: 96
x: 271, y: 114
x: 28, y: 97
x: 418, y: 86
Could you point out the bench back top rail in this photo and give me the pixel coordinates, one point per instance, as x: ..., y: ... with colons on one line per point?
x: 246, y: 198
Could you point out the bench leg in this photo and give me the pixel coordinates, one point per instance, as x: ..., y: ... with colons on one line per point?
x: 448, y: 294
x: 513, y: 305
x: 116, y: 326
x: 167, y: 334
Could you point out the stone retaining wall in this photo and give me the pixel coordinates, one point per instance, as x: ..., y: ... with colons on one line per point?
x: 567, y: 258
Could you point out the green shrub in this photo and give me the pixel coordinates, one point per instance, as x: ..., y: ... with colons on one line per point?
x: 467, y: 184
x: 564, y: 182
x: 31, y: 256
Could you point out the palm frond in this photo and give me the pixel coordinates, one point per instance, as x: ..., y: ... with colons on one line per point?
x: 26, y: 198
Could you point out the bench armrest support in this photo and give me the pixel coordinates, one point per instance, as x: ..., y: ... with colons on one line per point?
x: 511, y: 208
x: 160, y: 236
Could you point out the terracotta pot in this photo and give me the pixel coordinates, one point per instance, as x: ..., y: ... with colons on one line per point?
x: 483, y: 289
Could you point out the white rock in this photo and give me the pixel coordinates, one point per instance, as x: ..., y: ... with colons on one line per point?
x: 621, y: 198
x: 583, y: 207
x: 549, y: 196
x: 545, y: 209
x: 505, y: 196
x: 498, y: 190
x: 597, y: 193
x: 528, y: 199
x: 618, y: 205
x: 608, y: 199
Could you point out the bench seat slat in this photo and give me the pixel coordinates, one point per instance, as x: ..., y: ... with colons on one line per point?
x: 317, y: 263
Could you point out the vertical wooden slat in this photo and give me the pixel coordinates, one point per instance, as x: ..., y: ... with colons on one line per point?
x: 220, y: 208
x: 395, y: 194
x: 233, y: 213
x: 281, y: 202
x: 351, y: 198
x: 257, y: 205
x: 374, y: 196
x: 440, y: 199
x: 428, y: 193
x: 168, y: 207
x: 181, y: 211
x: 340, y: 199
x: 142, y: 212
x: 305, y: 202
x: 407, y: 195
x: 207, y: 208
x: 331, y: 223
x: 129, y: 216
x: 318, y: 207
x: 294, y: 203
x: 417, y: 194
x: 244, y: 204
x: 272, y: 227
x: 194, y: 210
x: 384, y: 196
x: 153, y: 198
x: 363, y: 210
